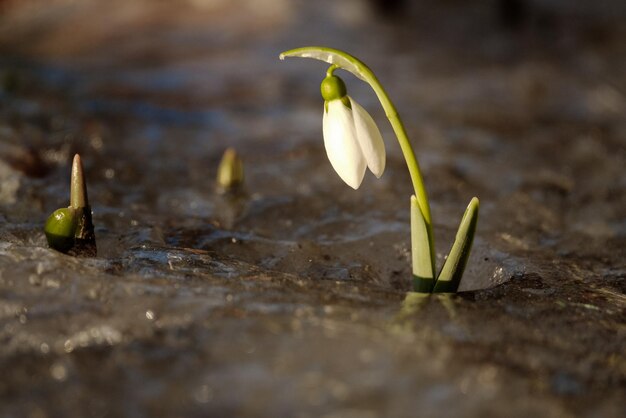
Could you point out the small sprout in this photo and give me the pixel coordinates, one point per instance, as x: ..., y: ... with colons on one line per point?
x: 230, y: 172
x: 70, y: 230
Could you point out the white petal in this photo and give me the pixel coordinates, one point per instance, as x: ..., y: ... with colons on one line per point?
x: 341, y: 144
x: 369, y: 138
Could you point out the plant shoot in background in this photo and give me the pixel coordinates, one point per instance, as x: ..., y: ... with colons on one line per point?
x: 70, y: 230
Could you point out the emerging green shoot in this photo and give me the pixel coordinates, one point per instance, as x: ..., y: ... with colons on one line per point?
x: 70, y: 230
x: 230, y: 172
x: 423, y: 267
x: 450, y: 276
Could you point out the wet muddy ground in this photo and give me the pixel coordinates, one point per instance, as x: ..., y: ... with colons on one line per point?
x: 291, y: 299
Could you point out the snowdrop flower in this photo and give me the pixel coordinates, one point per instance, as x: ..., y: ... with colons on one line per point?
x: 353, y: 143
x: 351, y: 137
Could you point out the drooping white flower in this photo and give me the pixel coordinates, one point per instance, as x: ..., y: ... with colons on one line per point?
x: 351, y: 137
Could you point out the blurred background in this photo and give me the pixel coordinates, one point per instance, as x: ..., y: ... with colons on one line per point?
x: 519, y: 102
x: 197, y: 303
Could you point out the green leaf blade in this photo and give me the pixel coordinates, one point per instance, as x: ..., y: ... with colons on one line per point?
x: 423, y: 271
x: 451, y: 273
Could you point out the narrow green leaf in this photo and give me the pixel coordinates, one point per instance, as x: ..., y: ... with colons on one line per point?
x: 452, y: 271
x: 423, y: 272
x: 331, y: 56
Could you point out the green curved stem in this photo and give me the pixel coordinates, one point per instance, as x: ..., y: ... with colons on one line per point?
x: 405, y: 145
x: 349, y: 63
